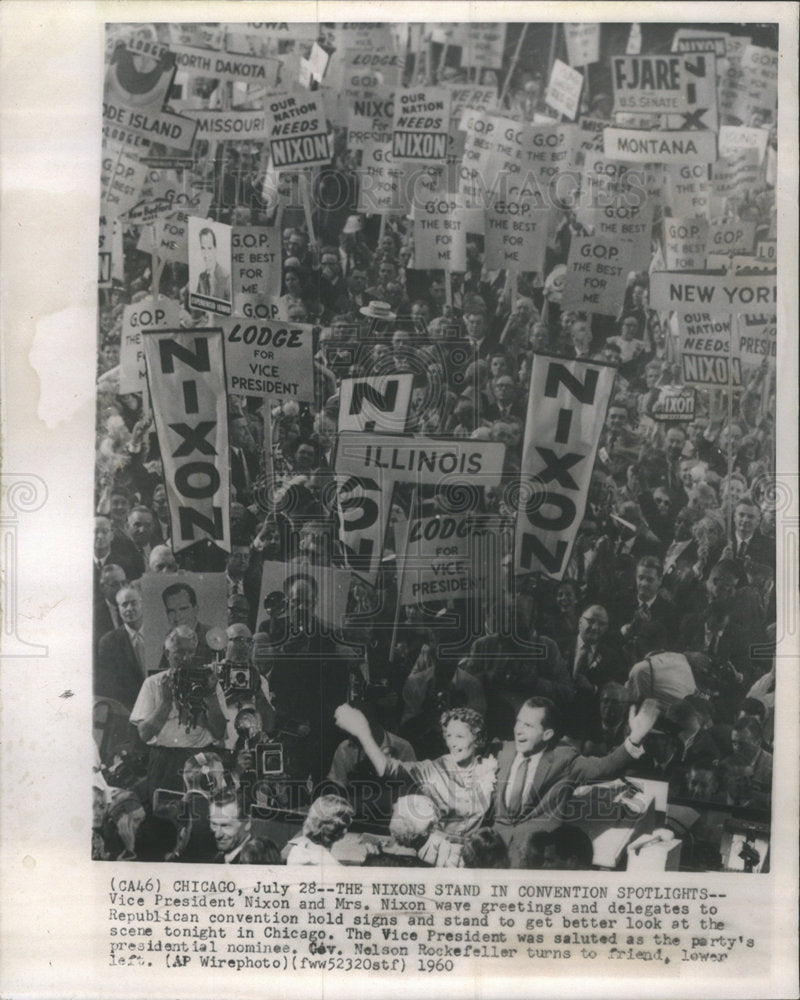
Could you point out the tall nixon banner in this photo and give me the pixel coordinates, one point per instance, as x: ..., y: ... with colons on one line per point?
x: 566, y: 411
x: 186, y: 379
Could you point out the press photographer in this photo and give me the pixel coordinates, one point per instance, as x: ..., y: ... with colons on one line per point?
x: 242, y: 683
x: 179, y: 711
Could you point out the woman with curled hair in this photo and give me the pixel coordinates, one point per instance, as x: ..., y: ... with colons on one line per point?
x: 460, y: 783
x: 328, y: 820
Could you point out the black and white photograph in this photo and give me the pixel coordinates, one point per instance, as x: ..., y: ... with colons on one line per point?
x: 209, y: 266
x: 466, y: 542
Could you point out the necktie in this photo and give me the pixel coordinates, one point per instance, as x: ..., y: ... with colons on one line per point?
x: 742, y: 550
x: 138, y: 648
x: 582, y: 663
x: 205, y: 287
x: 515, y: 795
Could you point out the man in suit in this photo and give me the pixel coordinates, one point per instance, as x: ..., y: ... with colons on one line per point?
x: 506, y: 405
x: 244, y: 459
x: 748, y: 542
x: 214, y: 280
x: 650, y: 604
x: 142, y: 531
x: 120, y: 667
x: 106, y: 612
x: 514, y: 664
x: 536, y: 775
x: 231, y: 830
x: 481, y: 343
x: 109, y: 549
x: 593, y: 661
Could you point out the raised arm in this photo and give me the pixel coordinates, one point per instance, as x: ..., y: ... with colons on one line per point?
x: 355, y: 723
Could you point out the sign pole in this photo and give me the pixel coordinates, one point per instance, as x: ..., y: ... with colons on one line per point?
x: 513, y: 66
x: 400, y: 572
x: 734, y: 324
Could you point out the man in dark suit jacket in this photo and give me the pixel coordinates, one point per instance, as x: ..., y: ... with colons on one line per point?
x: 110, y: 548
x: 747, y: 541
x: 232, y: 832
x: 516, y: 664
x: 505, y: 406
x: 119, y: 669
x: 106, y: 612
x: 214, y: 280
x: 593, y: 659
x: 536, y: 776
x: 649, y: 604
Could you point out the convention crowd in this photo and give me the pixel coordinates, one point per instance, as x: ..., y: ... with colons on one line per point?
x: 454, y: 732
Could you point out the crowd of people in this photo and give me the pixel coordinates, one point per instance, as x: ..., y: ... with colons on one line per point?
x: 458, y: 731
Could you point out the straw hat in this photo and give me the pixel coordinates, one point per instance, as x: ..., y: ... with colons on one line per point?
x: 378, y: 310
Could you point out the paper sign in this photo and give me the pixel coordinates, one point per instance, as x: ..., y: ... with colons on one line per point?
x: 186, y: 380
x: 147, y: 314
x: 199, y: 600
x: 685, y: 243
x: 674, y: 403
x: 659, y: 147
x: 226, y: 66
x: 437, y: 563
x: 269, y: 359
x: 440, y: 234
x: 256, y: 265
x: 485, y: 44
x: 381, y: 189
x: 597, y: 275
x: 332, y: 589
x: 121, y: 179
x: 564, y: 89
x: 516, y: 235
x: 713, y: 293
x: 168, y: 236
x: 210, y: 266
x: 649, y: 83
x: 223, y: 125
x: 567, y: 406
x: 735, y: 139
x: 689, y: 188
x: 420, y: 131
x: 583, y: 44
x: 375, y: 403
x: 299, y: 134
x: 737, y: 236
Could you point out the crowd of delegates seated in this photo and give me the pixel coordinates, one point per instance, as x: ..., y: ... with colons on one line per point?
x: 654, y: 656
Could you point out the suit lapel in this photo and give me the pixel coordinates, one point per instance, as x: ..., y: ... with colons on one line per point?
x: 540, y: 777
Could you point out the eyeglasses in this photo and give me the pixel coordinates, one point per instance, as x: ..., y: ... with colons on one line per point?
x: 594, y: 621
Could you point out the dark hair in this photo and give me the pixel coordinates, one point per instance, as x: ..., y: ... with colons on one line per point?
x: 290, y: 581
x: 178, y: 588
x: 226, y: 797
x: 651, y: 562
x: 207, y: 231
x: 485, y: 848
x: 551, y: 718
x: 155, y: 838
x: 260, y: 851
x: 568, y: 841
x: 754, y: 708
x: 726, y: 568
x: 750, y: 725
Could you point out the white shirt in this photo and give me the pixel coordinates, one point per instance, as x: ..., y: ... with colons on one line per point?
x: 173, y: 732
